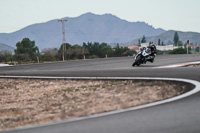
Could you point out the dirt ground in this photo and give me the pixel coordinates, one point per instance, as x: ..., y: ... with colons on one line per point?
x: 26, y: 102
x: 196, y: 65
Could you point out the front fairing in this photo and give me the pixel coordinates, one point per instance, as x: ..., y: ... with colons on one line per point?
x: 144, y: 53
x: 139, y: 53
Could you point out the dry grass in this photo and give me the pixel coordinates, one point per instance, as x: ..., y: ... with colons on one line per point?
x: 32, y: 101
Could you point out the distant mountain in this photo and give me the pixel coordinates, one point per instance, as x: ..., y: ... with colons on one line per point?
x: 4, y: 47
x: 168, y: 36
x: 85, y: 28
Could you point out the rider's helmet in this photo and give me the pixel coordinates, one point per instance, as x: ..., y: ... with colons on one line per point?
x: 148, y: 50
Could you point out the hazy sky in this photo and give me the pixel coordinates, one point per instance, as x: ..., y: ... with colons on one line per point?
x: 181, y: 15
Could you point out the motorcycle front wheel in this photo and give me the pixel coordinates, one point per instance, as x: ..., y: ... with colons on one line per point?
x: 137, y: 61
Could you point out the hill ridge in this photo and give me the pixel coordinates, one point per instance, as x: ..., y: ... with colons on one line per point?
x: 167, y: 38
x: 87, y: 27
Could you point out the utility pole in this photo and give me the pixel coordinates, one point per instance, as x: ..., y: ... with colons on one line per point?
x: 64, y: 39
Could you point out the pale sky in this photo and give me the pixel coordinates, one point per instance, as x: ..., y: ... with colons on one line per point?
x: 183, y: 15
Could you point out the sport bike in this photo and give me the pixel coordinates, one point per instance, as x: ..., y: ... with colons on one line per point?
x: 142, y: 56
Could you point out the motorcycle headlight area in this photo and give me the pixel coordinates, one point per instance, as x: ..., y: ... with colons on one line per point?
x: 148, y: 50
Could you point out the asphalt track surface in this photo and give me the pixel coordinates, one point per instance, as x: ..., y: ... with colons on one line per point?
x: 181, y: 116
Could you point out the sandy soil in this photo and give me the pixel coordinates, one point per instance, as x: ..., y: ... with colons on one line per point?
x: 32, y: 101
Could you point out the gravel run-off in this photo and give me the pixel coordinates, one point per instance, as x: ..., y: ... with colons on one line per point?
x: 25, y: 102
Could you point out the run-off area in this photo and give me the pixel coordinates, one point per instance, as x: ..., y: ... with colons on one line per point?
x: 26, y: 102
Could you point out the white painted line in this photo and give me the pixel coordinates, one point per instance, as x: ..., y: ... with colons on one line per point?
x: 4, y: 65
x: 193, y: 91
x: 179, y: 65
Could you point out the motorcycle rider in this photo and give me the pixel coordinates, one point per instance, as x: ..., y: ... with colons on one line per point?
x: 145, y: 54
x: 153, y: 51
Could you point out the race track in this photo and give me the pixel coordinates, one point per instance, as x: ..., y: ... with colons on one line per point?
x: 181, y: 116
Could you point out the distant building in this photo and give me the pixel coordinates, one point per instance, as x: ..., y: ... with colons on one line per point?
x: 144, y: 45
x: 166, y: 47
x: 161, y: 48
x: 134, y: 47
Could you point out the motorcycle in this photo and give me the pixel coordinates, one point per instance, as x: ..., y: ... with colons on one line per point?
x: 142, y: 56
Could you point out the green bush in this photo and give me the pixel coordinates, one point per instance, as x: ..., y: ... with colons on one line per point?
x: 178, y: 51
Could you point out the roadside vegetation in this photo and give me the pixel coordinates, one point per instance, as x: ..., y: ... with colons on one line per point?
x: 27, y: 52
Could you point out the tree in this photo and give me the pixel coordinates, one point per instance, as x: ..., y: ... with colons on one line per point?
x: 143, y: 39
x: 50, y: 54
x: 98, y: 50
x: 26, y: 51
x: 180, y: 43
x: 120, y: 51
x: 139, y: 42
x: 162, y: 43
x: 5, y: 56
x: 158, y: 42
x: 176, y: 38
x: 79, y: 51
x: 67, y: 51
x: 105, y: 49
